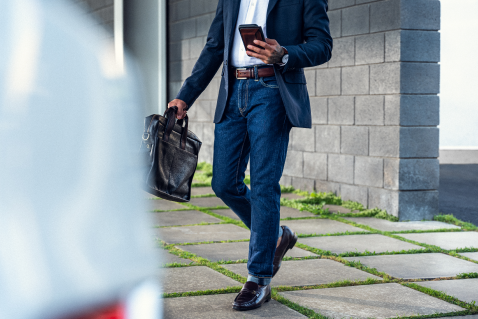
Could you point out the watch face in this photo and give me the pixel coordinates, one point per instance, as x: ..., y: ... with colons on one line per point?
x: 285, y: 58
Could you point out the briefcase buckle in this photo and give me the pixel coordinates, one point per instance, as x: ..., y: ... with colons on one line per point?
x: 237, y: 72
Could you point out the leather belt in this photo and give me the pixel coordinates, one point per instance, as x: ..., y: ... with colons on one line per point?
x: 248, y: 73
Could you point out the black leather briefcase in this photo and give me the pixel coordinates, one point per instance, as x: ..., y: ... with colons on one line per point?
x: 170, y: 154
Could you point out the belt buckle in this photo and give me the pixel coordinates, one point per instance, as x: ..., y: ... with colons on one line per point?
x: 240, y: 69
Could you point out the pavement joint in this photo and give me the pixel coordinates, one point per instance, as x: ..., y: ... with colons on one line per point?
x: 200, y: 261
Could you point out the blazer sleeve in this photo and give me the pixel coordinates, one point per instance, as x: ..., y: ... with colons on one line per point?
x: 317, y: 48
x: 208, y: 62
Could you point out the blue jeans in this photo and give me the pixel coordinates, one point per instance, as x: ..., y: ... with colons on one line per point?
x: 255, y: 126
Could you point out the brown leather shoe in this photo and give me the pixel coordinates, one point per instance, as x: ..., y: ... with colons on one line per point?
x: 289, y: 238
x: 252, y: 296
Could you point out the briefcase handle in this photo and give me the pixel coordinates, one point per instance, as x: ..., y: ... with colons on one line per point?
x: 170, y: 114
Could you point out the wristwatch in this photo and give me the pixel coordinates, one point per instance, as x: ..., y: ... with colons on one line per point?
x: 285, y: 57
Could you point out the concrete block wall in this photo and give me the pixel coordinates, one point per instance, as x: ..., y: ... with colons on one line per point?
x: 101, y: 10
x: 374, y: 105
x: 188, y: 25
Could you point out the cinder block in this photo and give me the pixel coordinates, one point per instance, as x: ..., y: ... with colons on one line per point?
x: 328, y: 82
x: 319, y: 111
x: 412, y: 110
x: 385, y: 16
x: 204, y: 110
x: 384, y: 199
x: 294, y: 164
x: 370, y: 48
x: 384, y: 141
x: 335, y: 23
x: 327, y: 139
x: 412, y: 46
x: 173, y: 89
x: 206, y: 154
x: 420, y: 78
x: 199, y: 7
x: 180, y: 10
x: 419, y: 205
x: 420, y: 14
x: 197, y: 128
x: 303, y: 184
x: 341, y: 110
x: 175, y: 52
x: 355, y: 20
x: 175, y: 71
x: 327, y: 187
x: 356, y: 80
x: 411, y: 174
x: 204, y: 23
x: 341, y: 168
x: 354, y: 193
x: 303, y: 139
x: 315, y: 165
x: 185, y: 52
x: 419, y: 142
x: 187, y: 68
x: 208, y: 137
x: 310, y: 79
x: 369, y: 110
x: 385, y: 78
x: 368, y: 171
x: 354, y: 140
x: 184, y: 29
x: 195, y: 47
x: 285, y: 180
x: 343, y: 53
x: 337, y: 4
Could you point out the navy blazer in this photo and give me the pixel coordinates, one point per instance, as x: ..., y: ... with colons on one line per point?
x: 301, y: 26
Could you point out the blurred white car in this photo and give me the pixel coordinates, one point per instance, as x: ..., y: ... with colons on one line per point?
x: 75, y: 241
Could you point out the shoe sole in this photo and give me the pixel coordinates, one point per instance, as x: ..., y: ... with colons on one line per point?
x: 268, y: 298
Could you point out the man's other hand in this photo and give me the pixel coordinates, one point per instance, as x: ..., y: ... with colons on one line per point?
x: 272, y: 52
x: 181, y: 108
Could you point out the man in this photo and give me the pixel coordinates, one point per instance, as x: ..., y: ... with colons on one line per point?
x: 262, y: 95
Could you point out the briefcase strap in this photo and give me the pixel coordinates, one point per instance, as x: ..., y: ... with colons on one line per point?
x: 170, y: 114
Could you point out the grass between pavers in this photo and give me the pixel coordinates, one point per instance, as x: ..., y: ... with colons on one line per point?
x: 450, y: 219
x: 199, y: 224
x: 472, y: 308
x: 203, y: 196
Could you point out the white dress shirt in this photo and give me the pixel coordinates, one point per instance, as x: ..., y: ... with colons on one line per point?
x: 250, y: 12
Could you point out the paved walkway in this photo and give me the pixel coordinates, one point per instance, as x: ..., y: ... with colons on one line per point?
x: 459, y: 191
x: 342, y: 267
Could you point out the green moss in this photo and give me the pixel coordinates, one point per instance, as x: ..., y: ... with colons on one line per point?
x: 450, y: 219
x: 467, y: 275
x: 286, y: 189
x: 353, y: 205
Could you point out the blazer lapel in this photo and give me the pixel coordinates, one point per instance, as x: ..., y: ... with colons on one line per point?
x: 233, y: 13
x: 271, y: 5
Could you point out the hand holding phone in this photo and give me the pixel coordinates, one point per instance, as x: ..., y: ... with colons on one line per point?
x: 251, y: 32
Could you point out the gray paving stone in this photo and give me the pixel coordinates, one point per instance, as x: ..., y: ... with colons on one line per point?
x: 201, y: 191
x: 461, y: 317
x: 161, y: 204
x: 207, y: 202
x: 418, y: 266
x: 233, y: 251
x: 462, y: 289
x: 473, y: 256
x: 286, y: 212
x: 320, y: 226
x: 220, y: 307
x: 446, y: 240
x: 187, y: 217
x: 309, y: 272
x: 385, y: 225
x: 194, y: 234
x: 226, y: 212
x: 358, y: 243
x: 184, y: 279
x: 370, y: 301
x: 336, y: 209
x: 291, y: 196
x: 168, y: 258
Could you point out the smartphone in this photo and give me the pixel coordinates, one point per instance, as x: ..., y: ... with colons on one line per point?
x: 251, y: 32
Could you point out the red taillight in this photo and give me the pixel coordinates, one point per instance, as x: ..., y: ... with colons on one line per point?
x: 115, y: 311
